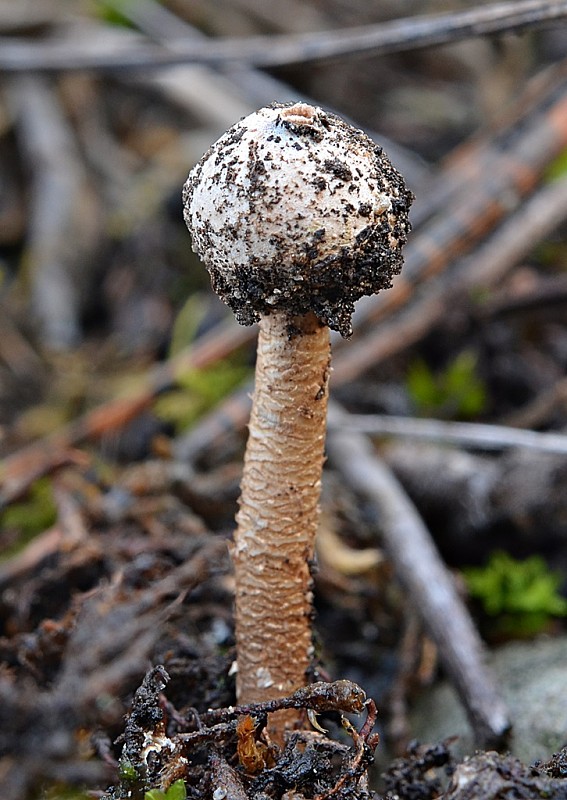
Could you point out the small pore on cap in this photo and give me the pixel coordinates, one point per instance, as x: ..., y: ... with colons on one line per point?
x: 299, y: 114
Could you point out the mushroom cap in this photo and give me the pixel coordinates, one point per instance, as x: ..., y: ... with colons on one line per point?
x: 294, y: 209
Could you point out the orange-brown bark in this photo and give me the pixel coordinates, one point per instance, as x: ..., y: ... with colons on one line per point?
x: 279, y: 511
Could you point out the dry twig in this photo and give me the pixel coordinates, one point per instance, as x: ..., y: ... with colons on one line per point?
x: 510, y: 168
x: 463, y: 434
x: 271, y: 51
x: 431, y: 588
x: 483, y: 268
x: 59, y: 189
x: 19, y: 470
x: 259, y: 88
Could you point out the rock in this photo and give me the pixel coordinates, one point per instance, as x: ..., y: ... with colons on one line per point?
x: 533, y: 680
x: 490, y: 776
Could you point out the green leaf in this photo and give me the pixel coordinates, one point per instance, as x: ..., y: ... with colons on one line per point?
x: 422, y: 386
x: 110, y: 11
x: 126, y: 770
x: 199, y: 391
x: 461, y: 386
x: 176, y: 791
x: 186, y: 323
x: 457, y: 391
x: 31, y: 516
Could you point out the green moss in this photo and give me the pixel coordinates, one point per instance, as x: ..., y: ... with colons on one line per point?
x: 455, y: 392
x: 521, y: 596
x: 29, y: 517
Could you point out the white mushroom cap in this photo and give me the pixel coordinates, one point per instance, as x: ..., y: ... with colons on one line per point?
x: 294, y: 209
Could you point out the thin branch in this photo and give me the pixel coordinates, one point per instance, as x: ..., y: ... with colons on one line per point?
x: 420, y: 568
x: 512, y: 164
x: 172, y: 32
x: 485, y: 267
x: 19, y: 470
x: 260, y: 89
x: 464, y: 434
x: 538, y: 410
x: 58, y: 185
x: 487, y: 149
x: 273, y: 51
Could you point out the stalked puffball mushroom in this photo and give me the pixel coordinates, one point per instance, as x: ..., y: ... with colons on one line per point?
x: 296, y: 215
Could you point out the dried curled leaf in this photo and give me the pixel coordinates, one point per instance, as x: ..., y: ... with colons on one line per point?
x: 252, y: 754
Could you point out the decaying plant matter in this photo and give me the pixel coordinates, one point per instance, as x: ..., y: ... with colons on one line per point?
x: 227, y: 753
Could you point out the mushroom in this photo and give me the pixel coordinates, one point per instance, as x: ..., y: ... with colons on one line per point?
x: 296, y: 215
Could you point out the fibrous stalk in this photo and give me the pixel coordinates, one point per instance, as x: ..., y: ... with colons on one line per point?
x: 279, y: 511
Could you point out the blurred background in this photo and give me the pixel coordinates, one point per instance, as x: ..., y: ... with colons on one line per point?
x: 95, y: 263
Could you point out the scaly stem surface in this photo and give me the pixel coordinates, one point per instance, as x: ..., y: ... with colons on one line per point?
x: 279, y: 511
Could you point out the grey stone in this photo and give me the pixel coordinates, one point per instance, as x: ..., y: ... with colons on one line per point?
x: 532, y: 677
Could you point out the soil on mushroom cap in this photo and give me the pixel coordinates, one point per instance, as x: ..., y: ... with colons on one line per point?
x: 282, y: 221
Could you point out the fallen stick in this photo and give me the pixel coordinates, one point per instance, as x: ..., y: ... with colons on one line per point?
x: 485, y: 267
x: 19, y: 470
x: 421, y: 570
x: 463, y: 434
x: 486, y: 149
x: 59, y: 188
x: 271, y: 51
x: 259, y: 87
x: 515, y: 500
x: 485, y: 199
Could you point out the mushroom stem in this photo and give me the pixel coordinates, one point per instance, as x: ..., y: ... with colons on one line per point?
x: 279, y: 511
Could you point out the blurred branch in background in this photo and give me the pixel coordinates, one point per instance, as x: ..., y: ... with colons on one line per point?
x: 421, y: 570
x: 257, y: 87
x: 434, y: 258
x: 465, y: 434
x: 63, y: 222
x: 277, y: 51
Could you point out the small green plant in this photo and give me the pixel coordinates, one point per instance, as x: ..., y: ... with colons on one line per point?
x: 30, y: 516
x: 127, y: 771
x: 455, y: 392
x: 522, y: 595
x: 199, y: 391
x: 110, y: 13
x: 176, y: 791
x: 60, y: 792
